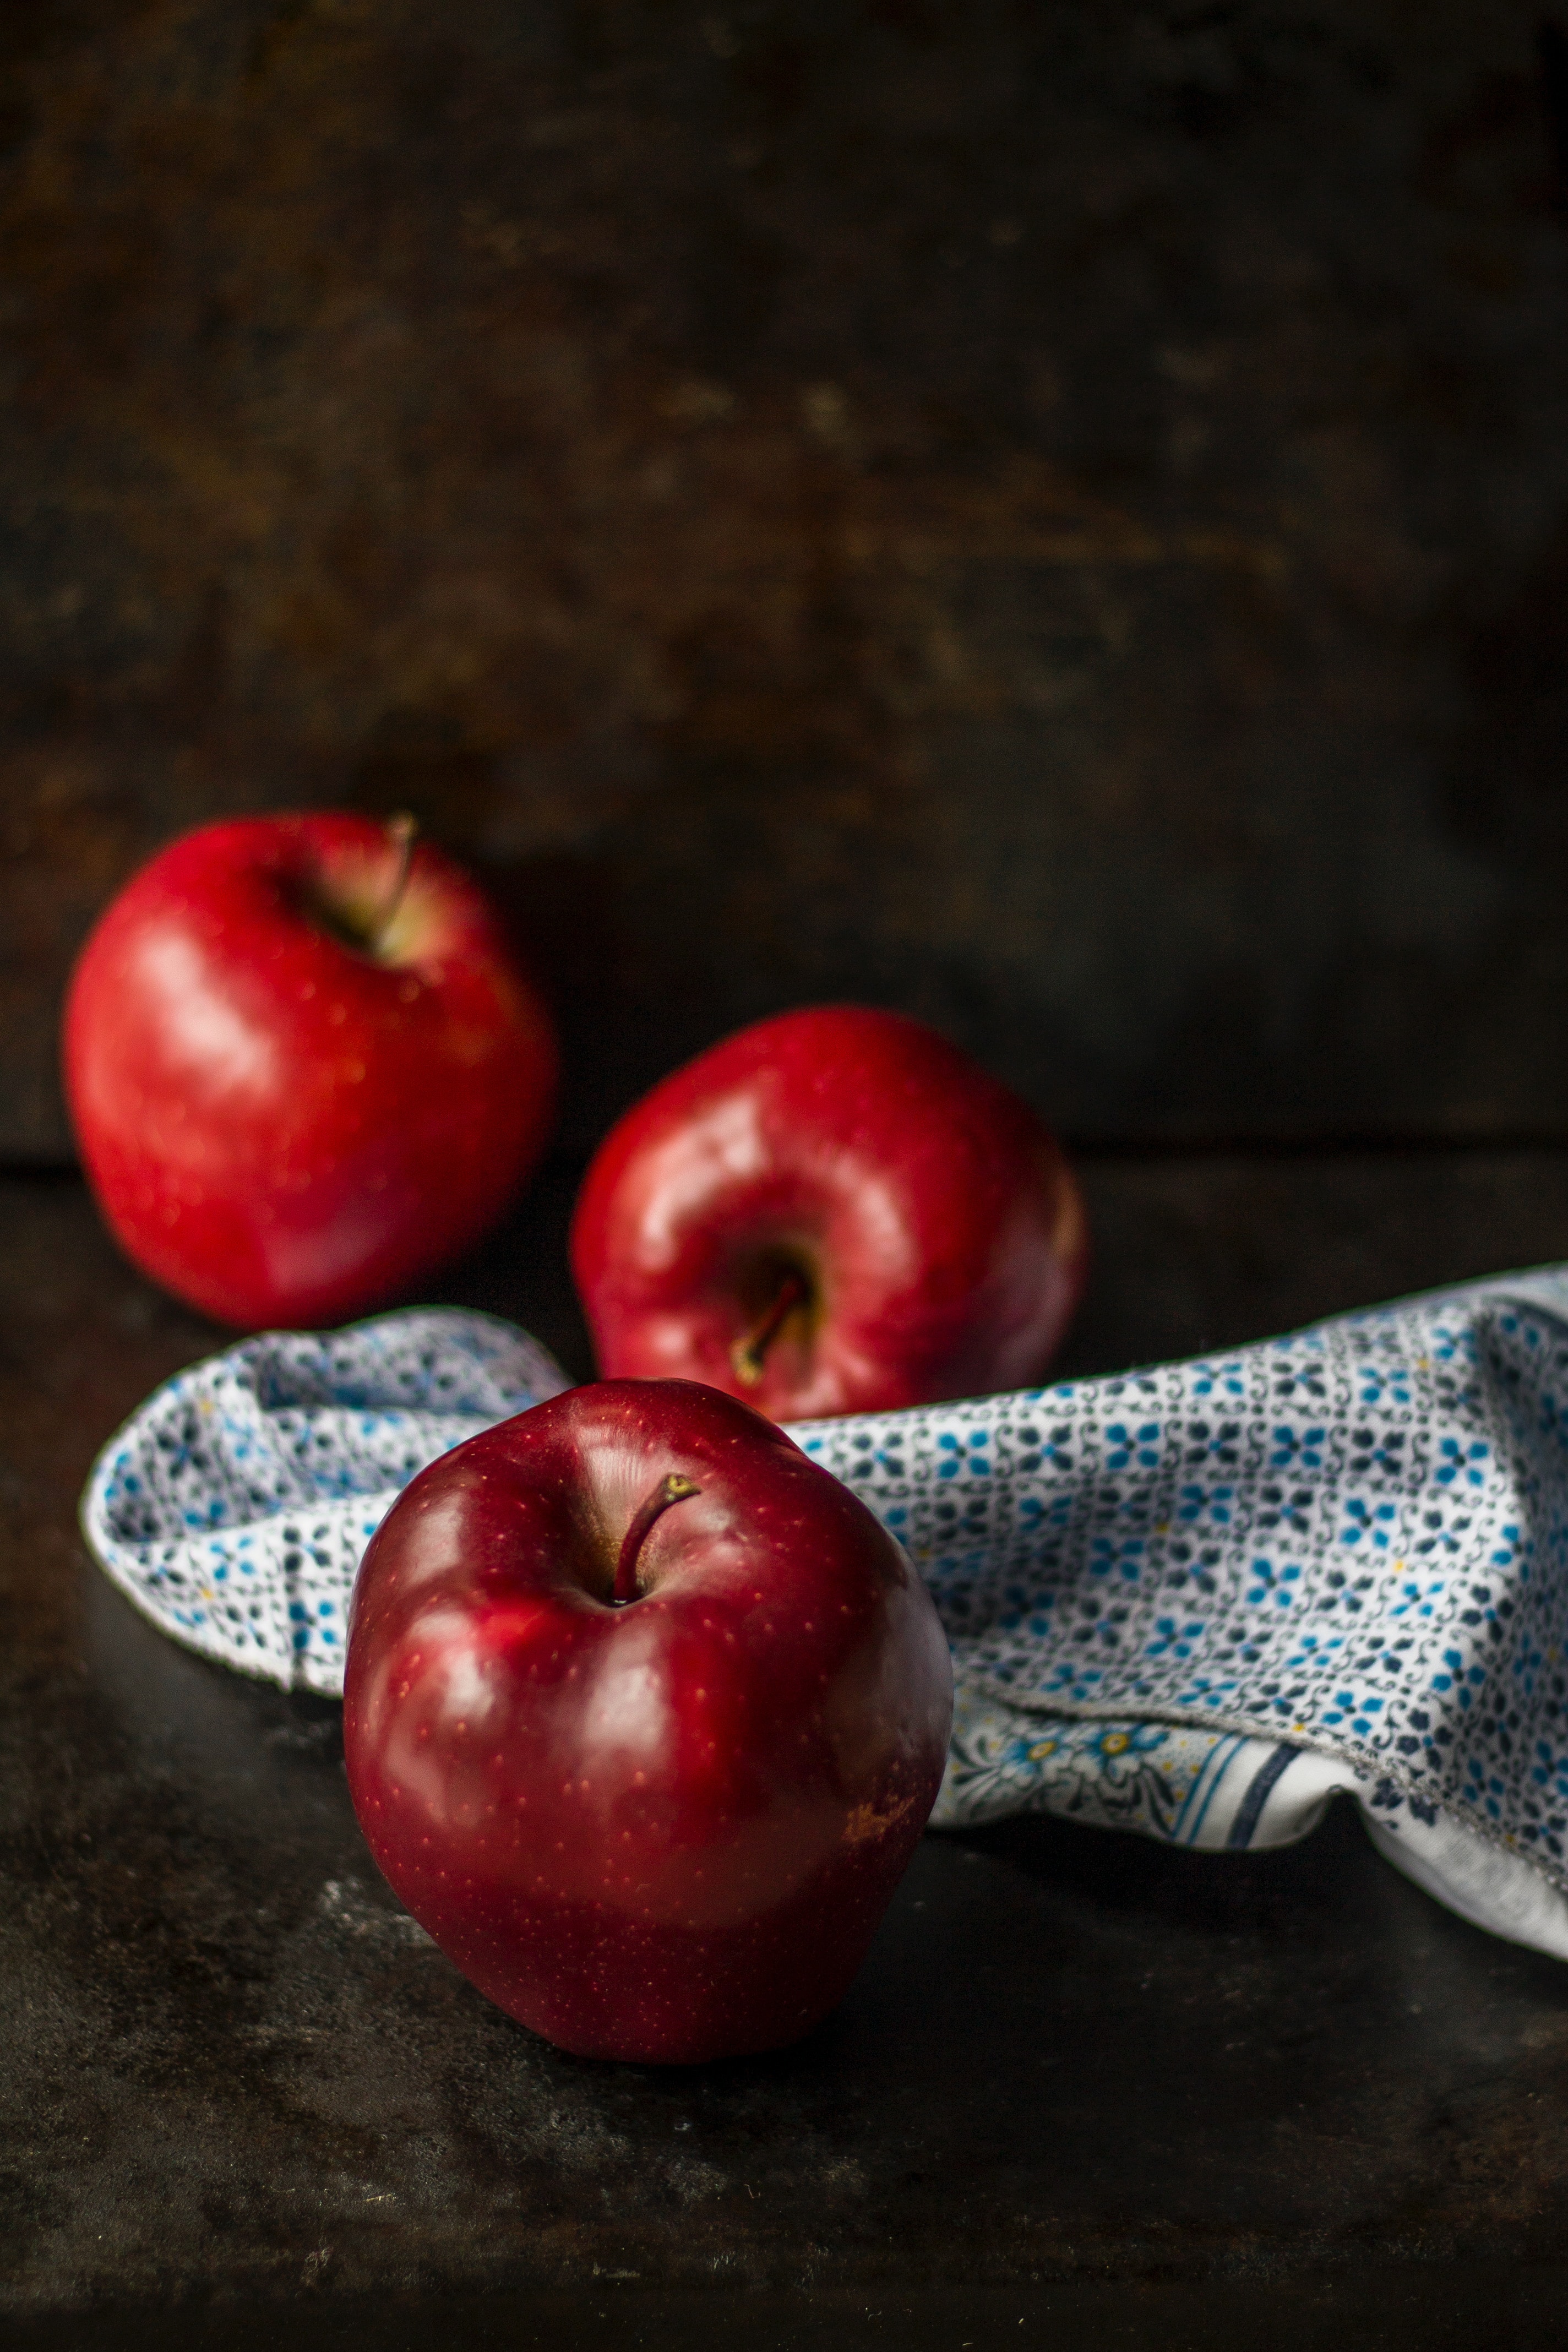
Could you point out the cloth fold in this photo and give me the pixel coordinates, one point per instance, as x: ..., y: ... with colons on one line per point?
x: 1194, y: 1600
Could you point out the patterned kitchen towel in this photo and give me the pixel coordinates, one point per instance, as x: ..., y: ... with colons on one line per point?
x: 1194, y: 1600
x: 234, y: 1506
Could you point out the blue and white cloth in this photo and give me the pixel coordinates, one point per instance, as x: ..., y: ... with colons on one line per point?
x: 1194, y: 1601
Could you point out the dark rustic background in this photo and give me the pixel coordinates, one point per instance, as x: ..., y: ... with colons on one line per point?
x: 1050, y: 515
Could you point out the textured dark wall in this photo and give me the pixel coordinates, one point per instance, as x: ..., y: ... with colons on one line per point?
x: 1054, y: 516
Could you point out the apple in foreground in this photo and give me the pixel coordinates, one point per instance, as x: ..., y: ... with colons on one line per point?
x: 644, y: 1715
x: 303, y: 1066
x: 832, y: 1211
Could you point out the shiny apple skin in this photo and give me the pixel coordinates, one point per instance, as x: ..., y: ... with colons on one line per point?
x: 662, y: 1832
x: 937, y: 1222
x: 283, y: 1128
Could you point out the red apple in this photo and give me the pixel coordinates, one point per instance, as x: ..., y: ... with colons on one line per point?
x: 832, y: 1211
x: 303, y: 1066
x: 644, y: 1715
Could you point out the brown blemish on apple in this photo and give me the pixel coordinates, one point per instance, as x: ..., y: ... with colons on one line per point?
x: 866, y: 1823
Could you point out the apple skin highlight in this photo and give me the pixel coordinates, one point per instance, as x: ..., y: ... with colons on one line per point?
x: 665, y: 1830
x: 834, y: 1211
x: 303, y: 1067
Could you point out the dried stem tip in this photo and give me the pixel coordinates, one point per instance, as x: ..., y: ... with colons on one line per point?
x: 675, y: 1489
x: 402, y: 833
x: 749, y: 1355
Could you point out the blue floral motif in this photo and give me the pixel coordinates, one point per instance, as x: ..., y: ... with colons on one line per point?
x: 1124, y: 1775
x: 1323, y: 1536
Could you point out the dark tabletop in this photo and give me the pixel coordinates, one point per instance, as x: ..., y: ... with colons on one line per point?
x: 1085, y: 2090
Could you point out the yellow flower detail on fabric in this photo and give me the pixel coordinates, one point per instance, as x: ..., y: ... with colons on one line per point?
x: 1041, y: 1749
x: 1114, y: 1742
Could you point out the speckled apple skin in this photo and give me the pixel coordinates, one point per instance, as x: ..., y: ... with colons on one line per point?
x: 937, y: 1223
x: 279, y: 1128
x: 662, y: 1832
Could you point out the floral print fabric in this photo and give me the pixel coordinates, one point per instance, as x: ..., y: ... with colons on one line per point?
x: 1192, y: 1599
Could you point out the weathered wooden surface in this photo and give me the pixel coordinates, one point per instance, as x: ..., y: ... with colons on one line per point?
x: 1053, y: 517
x: 1119, y: 2094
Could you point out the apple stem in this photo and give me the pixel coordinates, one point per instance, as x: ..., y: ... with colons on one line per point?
x: 675, y: 1489
x: 748, y: 1355
x: 402, y: 833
